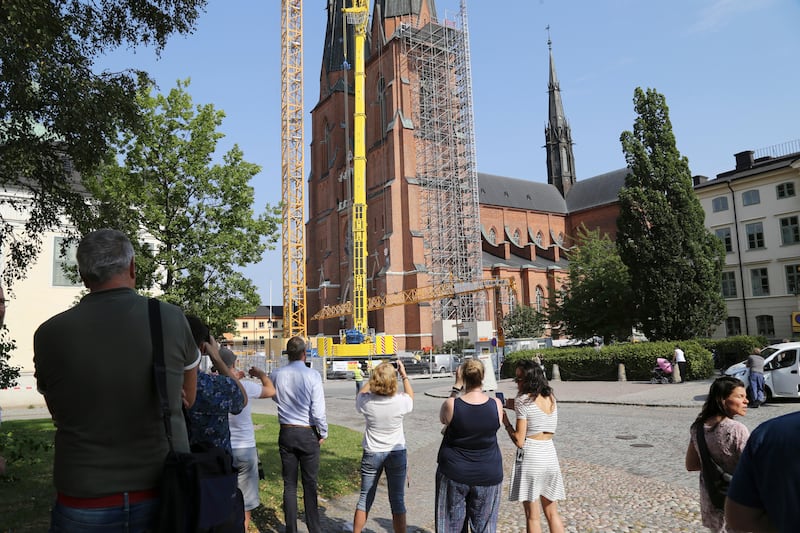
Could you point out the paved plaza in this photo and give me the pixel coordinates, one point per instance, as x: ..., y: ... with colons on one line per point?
x: 621, y: 447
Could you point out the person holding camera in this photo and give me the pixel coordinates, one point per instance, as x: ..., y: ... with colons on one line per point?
x: 243, y: 434
x: 218, y: 394
x: 384, y: 441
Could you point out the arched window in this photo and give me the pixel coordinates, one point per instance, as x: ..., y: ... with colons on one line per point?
x: 560, y: 239
x: 492, y: 236
x: 328, y: 142
x: 539, y: 303
x: 516, y: 237
x: 539, y: 238
x: 382, y: 118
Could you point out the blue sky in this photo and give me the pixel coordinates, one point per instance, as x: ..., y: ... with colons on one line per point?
x: 728, y: 70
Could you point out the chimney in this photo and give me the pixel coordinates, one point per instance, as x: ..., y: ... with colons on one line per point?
x: 699, y: 179
x: 744, y: 160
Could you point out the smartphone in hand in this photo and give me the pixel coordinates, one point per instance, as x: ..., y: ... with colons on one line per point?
x: 500, y: 396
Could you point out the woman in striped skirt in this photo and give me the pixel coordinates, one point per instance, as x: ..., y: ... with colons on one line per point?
x: 536, y: 474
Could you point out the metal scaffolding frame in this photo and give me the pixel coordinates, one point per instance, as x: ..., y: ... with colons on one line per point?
x: 439, y: 69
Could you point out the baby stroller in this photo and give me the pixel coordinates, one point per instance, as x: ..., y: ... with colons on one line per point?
x: 662, y: 373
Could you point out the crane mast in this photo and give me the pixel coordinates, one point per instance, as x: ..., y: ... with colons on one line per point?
x: 357, y: 16
x: 292, y: 170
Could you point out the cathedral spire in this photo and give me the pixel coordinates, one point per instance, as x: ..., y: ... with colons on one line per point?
x: 558, y: 136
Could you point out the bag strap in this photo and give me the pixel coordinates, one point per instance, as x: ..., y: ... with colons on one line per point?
x: 705, y: 455
x: 159, y: 370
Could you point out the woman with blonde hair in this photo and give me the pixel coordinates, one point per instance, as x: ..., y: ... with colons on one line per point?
x: 469, y: 478
x: 384, y: 441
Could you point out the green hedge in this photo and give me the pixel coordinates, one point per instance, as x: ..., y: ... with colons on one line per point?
x: 590, y: 364
x: 732, y: 350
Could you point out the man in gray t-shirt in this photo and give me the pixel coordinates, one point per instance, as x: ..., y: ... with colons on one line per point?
x: 756, y: 381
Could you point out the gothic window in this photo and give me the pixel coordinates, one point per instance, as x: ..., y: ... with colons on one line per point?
x: 382, y: 115
x: 560, y: 239
x: 539, y: 299
x: 539, y: 238
x: 516, y: 237
x: 492, y: 236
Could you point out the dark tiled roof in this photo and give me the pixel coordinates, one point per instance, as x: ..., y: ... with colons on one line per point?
x: 514, y: 261
x: 596, y: 191
x: 520, y: 194
x: 760, y: 166
x: 263, y: 312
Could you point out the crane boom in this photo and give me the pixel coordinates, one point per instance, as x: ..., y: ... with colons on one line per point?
x: 419, y: 294
x: 292, y: 170
x: 357, y: 16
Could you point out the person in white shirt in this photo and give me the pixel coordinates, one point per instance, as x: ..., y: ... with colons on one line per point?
x: 304, y: 427
x: 243, y: 434
x: 384, y: 441
x: 679, y: 358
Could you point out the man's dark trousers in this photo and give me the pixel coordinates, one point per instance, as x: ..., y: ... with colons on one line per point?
x: 299, y: 446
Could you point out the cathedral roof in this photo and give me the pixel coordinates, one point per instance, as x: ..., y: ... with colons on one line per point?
x: 596, y: 191
x: 521, y: 194
x: 398, y: 8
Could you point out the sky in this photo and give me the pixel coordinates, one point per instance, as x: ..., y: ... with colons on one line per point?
x: 727, y: 68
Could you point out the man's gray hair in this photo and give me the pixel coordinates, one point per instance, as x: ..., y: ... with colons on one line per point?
x: 102, y: 254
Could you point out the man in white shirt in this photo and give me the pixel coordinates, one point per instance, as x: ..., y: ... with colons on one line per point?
x: 243, y: 434
x: 304, y: 426
x: 679, y: 358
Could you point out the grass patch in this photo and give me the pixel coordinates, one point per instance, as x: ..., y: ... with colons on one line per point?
x: 26, y: 491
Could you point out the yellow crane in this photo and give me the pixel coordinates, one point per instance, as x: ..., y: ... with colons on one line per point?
x: 292, y: 170
x: 358, y: 16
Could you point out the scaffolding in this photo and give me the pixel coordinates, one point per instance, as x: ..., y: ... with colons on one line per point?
x: 441, y: 86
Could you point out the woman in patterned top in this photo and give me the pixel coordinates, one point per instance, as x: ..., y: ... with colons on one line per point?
x: 536, y: 474
x: 725, y: 439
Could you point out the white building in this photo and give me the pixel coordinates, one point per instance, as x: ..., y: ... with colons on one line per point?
x: 755, y: 211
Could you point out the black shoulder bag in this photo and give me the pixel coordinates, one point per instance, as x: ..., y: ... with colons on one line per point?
x: 199, y: 489
x: 716, y: 479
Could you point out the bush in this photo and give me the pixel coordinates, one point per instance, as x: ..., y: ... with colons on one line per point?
x: 732, y: 350
x: 590, y: 364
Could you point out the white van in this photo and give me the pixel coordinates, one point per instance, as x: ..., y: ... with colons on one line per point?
x: 781, y: 370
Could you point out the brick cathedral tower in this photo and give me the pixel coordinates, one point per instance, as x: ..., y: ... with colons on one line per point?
x: 412, y: 238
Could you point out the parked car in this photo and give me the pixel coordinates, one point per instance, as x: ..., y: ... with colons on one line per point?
x: 415, y: 366
x: 442, y: 363
x: 781, y: 370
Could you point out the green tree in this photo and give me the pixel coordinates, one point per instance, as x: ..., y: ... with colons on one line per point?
x: 523, y: 322
x: 57, y: 116
x: 675, y: 264
x: 596, y: 297
x: 194, y: 217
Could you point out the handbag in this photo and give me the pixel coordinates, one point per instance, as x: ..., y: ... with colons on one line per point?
x: 199, y: 489
x: 716, y: 479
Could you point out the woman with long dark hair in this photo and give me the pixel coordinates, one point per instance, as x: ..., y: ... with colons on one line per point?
x: 536, y: 475
x: 725, y: 439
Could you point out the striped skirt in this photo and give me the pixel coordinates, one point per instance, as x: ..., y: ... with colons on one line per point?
x: 536, y: 473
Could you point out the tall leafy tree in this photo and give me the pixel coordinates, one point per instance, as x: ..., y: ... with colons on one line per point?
x: 523, y: 322
x: 596, y: 297
x: 674, y: 262
x: 194, y: 216
x: 57, y: 116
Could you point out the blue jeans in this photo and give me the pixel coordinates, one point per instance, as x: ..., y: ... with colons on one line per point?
x: 459, y: 505
x: 396, y: 466
x: 125, y: 519
x: 757, y: 386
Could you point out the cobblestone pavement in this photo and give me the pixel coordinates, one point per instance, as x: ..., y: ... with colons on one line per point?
x: 621, y: 447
